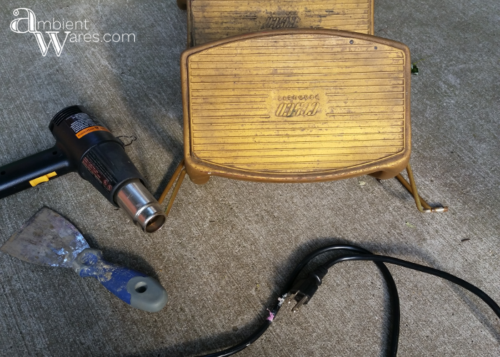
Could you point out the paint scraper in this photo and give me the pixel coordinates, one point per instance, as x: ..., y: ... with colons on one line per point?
x: 49, y: 239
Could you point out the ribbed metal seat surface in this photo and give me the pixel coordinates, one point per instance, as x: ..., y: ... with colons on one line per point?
x: 297, y: 106
x: 211, y: 20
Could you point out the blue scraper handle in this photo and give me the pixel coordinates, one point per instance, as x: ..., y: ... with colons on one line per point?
x: 136, y: 289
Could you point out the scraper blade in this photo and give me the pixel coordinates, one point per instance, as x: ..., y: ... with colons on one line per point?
x: 46, y: 239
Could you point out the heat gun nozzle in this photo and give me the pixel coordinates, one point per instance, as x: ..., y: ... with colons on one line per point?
x: 141, y: 206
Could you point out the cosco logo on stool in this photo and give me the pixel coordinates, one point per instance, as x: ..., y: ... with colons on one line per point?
x: 289, y: 20
x: 297, y: 109
x: 298, y: 105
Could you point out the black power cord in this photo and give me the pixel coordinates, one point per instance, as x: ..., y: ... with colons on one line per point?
x: 303, y: 290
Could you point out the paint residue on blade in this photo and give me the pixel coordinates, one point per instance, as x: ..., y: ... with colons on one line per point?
x: 47, y: 239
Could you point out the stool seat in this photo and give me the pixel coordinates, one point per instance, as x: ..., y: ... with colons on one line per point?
x: 211, y: 20
x: 296, y: 106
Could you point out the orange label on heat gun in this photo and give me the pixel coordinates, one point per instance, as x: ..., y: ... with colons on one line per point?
x: 91, y: 129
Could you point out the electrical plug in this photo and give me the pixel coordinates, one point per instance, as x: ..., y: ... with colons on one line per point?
x: 304, y: 289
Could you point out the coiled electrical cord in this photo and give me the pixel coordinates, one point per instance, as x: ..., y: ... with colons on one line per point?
x: 302, y: 291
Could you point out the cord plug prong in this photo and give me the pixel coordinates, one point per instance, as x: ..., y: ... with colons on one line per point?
x: 301, y: 302
x: 304, y: 289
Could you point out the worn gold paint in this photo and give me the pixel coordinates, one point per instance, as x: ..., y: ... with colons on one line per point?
x: 296, y: 105
x: 210, y: 20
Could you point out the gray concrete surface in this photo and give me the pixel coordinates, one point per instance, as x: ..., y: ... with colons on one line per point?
x: 228, y: 246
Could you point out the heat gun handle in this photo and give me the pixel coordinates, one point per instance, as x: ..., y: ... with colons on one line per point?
x: 33, y: 170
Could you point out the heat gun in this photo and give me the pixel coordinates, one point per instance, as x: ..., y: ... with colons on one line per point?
x: 85, y: 146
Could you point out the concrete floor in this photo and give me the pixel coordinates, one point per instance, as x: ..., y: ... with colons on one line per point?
x: 228, y: 246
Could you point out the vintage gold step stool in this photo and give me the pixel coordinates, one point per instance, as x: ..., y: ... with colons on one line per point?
x: 211, y: 20
x: 295, y: 105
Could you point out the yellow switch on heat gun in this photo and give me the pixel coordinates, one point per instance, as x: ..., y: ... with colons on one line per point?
x: 44, y: 178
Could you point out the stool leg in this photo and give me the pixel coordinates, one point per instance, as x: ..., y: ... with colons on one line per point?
x: 174, y: 192
x: 412, y: 188
x: 179, y: 172
x: 182, y: 4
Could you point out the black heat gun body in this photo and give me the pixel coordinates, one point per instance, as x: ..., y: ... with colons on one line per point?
x: 85, y: 146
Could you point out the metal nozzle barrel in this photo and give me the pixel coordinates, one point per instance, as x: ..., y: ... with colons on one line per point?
x: 141, y: 206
